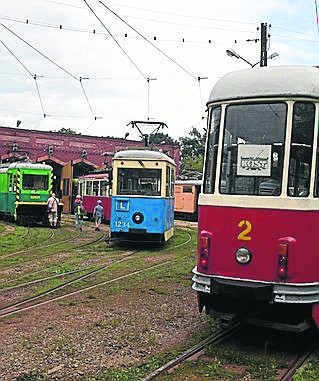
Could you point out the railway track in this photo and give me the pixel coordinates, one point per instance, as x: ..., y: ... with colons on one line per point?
x: 300, y: 360
x: 19, y: 306
x: 24, y: 304
x: 216, y: 338
x: 41, y: 246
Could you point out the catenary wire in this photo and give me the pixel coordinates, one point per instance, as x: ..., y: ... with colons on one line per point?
x: 161, y: 51
x: 25, y: 68
x: 115, y: 40
x: 54, y: 63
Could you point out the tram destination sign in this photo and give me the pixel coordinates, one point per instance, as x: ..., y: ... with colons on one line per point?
x: 254, y: 160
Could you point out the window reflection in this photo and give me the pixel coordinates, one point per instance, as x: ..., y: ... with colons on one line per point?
x: 253, y: 149
x: 35, y: 182
x: 133, y: 181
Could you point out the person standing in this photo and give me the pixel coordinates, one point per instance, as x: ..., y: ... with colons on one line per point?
x: 98, y: 214
x: 78, y: 212
x: 53, y: 204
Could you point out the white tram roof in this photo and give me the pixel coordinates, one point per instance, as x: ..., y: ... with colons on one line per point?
x: 25, y: 165
x: 189, y: 182
x: 269, y: 81
x: 143, y: 155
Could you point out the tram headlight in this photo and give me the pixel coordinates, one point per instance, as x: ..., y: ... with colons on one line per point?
x: 138, y: 218
x: 243, y: 256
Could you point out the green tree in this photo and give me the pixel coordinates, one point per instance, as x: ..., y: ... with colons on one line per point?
x: 192, y: 152
x: 161, y: 138
x: 67, y: 131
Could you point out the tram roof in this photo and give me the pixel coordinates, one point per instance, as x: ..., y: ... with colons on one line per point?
x: 143, y: 154
x: 189, y: 182
x: 270, y: 81
x: 26, y: 165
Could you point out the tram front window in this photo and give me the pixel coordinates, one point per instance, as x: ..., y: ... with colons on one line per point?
x: 35, y: 182
x: 301, y: 149
x: 133, y: 181
x: 253, y: 149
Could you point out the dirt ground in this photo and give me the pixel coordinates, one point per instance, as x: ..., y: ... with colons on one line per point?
x: 78, y: 337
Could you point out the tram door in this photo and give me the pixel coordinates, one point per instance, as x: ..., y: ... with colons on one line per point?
x: 66, y: 186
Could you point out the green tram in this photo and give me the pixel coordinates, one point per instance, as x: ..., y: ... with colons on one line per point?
x: 24, y: 190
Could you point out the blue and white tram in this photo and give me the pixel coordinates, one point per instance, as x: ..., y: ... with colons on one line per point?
x: 142, y: 206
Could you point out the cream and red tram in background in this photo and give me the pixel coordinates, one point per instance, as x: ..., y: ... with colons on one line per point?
x: 258, y: 243
x: 94, y: 187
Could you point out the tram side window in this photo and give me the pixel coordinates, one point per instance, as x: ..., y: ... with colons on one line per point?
x: 89, y: 188
x: 12, y: 183
x: 168, y: 182
x: 211, y: 151
x: 104, y: 188
x: 81, y: 188
x: 96, y: 188
x: 253, y: 149
x: 172, y: 182
x: 301, y: 149
x: 187, y: 189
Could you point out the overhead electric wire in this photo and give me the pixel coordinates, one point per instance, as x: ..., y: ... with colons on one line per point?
x: 36, y: 85
x: 25, y: 68
x: 38, y: 51
x: 183, y: 40
x: 156, y: 11
x: 86, y: 97
x: 94, y: 31
x: 161, y: 51
x: 54, y: 63
x: 185, y: 16
x: 115, y: 40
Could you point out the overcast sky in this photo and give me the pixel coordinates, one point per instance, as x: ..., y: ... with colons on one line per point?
x: 70, y: 60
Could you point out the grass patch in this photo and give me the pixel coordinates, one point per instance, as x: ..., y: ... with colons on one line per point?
x: 137, y: 373
x: 309, y: 372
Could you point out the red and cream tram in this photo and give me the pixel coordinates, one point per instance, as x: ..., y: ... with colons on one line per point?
x: 94, y: 187
x: 258, y: 247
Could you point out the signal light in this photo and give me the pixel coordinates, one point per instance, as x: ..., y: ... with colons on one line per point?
x: 204, y: 242
x: 204, y: 246
x: 282, y: 270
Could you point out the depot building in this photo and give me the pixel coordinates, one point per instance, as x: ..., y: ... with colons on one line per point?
x: 70, y: 155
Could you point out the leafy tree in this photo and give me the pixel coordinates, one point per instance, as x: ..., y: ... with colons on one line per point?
x: 161, y: 138
x: 67, y: 131
x: 192, y: 151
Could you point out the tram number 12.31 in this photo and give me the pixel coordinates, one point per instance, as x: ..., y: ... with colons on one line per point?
x: 244, y: 234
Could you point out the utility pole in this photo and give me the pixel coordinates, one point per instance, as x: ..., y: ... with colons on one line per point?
x: 263, y: 39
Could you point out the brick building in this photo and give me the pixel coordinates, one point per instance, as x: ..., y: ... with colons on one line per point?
x: 70, y: 155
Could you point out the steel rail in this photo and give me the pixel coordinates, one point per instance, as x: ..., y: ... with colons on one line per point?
x: 299, y: 361
x: 213, y: 339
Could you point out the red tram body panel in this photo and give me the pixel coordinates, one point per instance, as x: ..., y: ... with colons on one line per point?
x: 258, y: 248
x: 264, y: 231
x: 94, y: 187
